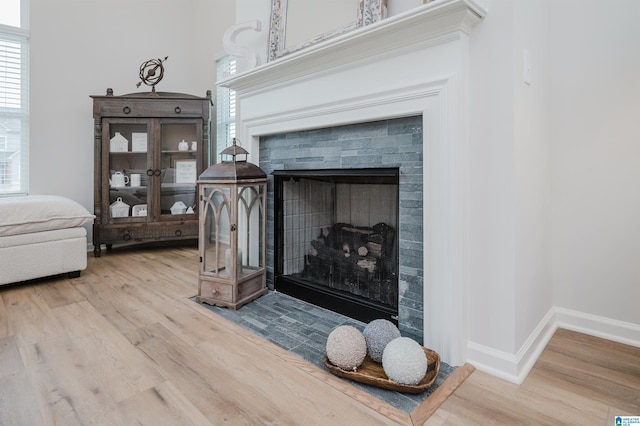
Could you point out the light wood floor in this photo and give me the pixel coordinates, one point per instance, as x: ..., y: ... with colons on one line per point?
x: 123, y: 345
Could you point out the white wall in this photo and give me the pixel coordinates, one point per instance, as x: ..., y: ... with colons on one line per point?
x: 555, y: 174
x: 554, y: 219
x: 532, y: 161
x: 493, y: 187
x: 595, y: 119
x: 534, y: 287
x: 80, y: 48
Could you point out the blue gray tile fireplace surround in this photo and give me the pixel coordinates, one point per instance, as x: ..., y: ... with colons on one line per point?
x: 387, y: 147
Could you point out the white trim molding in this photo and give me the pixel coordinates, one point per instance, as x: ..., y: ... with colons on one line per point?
x: 606, y: 328
x: 516, y: 367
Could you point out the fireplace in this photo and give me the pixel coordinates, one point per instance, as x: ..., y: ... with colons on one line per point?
x: 336, y: 239
x: 414, y: 64
x: 360, y: 184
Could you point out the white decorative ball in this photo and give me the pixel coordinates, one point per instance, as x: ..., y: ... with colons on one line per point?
x: 377, y: 334
x: 404, y: 361
x: 346, y: 347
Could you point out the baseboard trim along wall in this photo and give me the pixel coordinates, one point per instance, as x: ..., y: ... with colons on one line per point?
x: 593, y: 325
x: 515, y: 367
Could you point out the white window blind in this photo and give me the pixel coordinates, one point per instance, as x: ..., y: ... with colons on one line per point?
x: 225, y: 106
x: 14, y: 111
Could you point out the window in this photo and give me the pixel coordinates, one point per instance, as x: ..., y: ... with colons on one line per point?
x: 5, y: 172
x: 14, y: 98
x: 10, y: 13
x: 225, y: 106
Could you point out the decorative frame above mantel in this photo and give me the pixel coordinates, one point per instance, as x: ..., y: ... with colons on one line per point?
x: 368, y: 12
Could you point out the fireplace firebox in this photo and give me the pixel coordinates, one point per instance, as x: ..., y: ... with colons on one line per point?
x: 336, y: 239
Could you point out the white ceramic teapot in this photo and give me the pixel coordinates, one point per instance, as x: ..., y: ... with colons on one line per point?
x: 183, y: 146
x: 119, y: 180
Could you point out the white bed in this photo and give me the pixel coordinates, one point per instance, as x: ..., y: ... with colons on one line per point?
x: 40, y: 236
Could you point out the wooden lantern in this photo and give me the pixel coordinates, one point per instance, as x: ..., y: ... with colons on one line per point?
x: 232, y: 231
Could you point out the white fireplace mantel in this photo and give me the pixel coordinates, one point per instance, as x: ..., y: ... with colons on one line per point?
x: 433, y: 23
x: 415, y: 63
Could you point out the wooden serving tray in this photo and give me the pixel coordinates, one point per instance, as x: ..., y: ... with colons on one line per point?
x: 372, y: 373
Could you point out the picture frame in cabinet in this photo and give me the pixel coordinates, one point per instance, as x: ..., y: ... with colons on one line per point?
x: 138, y: 142
x: 186, y: 171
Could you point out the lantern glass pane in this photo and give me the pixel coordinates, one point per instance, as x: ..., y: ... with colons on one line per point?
x: 250, y: 232
x: 217, y: 229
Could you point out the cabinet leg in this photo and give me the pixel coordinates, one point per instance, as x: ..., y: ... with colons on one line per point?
x: 96, y: 250
x: 109, y: 247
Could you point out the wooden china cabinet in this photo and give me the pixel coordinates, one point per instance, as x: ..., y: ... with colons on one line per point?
x: 150, y: 149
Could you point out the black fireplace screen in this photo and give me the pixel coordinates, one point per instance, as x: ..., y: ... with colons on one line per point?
x: 336, y: 238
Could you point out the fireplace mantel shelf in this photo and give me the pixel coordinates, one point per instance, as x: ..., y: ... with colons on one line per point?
x: 428, y: 25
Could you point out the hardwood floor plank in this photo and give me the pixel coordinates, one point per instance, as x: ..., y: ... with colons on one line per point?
x: 568, y: 385
x: 430, y: 405
x: 241, y: 391
x: 131, y: 306
x: 343, y: 386
x: 174, y: 273
x: 553, y: 402
x: 291, y: 383
x: 616, y: 358
x: 4, y: 319
x: 70, y: 393
x: 29, y: 315
x: 17, y: 403
x: 162, y: 405
x: 103, y: 298
x: 59, y: 291
x: 500, y: 404
x: 591, y: 378
x: 123, y: 370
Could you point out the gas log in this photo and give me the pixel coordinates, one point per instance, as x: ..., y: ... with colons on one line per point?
x: 360, y: 260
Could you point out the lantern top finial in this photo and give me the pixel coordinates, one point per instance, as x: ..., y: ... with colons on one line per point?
x: 233, y: 150
x: 234, y: 170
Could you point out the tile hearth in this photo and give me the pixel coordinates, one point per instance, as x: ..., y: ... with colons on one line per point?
x: 302, y: 328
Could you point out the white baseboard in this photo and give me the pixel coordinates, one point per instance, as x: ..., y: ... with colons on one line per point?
x: 515, y: 367
x: 593, y: 325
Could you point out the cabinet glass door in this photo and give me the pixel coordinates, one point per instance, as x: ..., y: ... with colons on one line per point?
x: 179, y: 160
x: 126, y: 168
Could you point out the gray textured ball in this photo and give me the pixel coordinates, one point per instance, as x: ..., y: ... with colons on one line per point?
x: 377, y: 334
x: 404, y: 361
x: 346, y: 347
